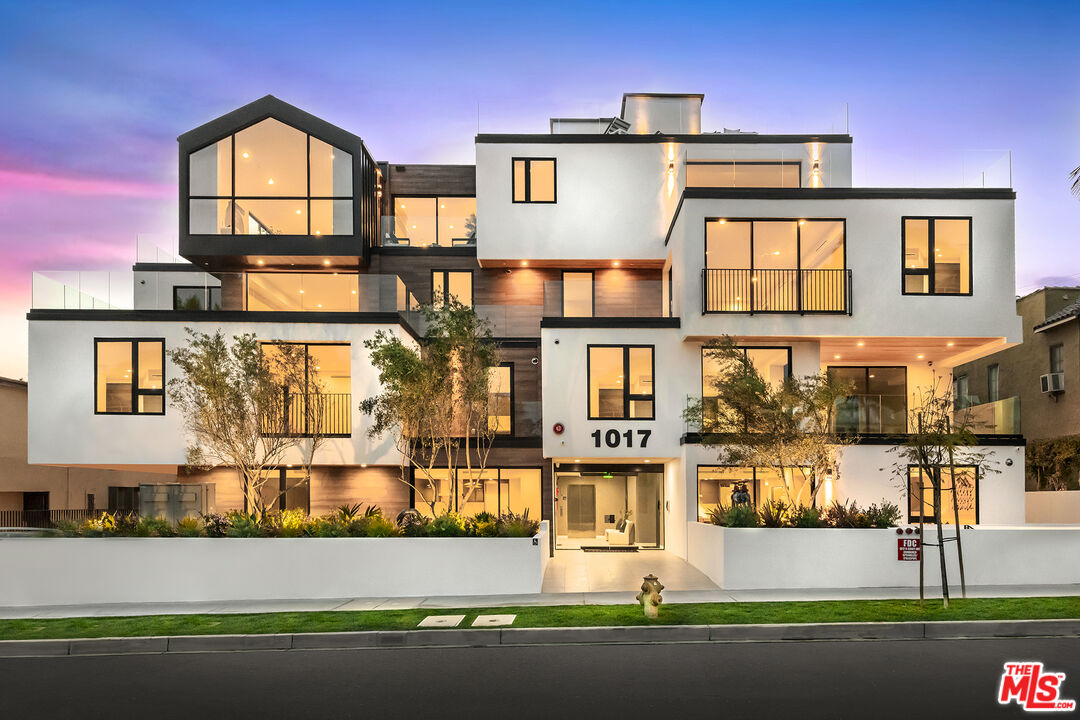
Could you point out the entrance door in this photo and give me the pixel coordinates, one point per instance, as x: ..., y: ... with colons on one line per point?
x: 36, y: 509
x: 581, y: 510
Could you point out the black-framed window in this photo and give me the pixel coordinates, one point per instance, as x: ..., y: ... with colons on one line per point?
x: 270, y: 178
x: 196, y: 297
x: 878, y: 403
x: 501, y: 398
x: 498, y: 490
x: 993, y: 389
x: 578, y: 293
x: 772, y: 361
x: 123, y: 500
x: 289, y: 490
x: 328, y: 412
x: 533, y: 180
x: 620, y: 382
x: 129, y: 376
x: 1057, y: 358
x: 446, y: 284
x: 433, y: 220
x: 744, y: 173
x: 966, y: 486
x: 936, y: 255
x: 724, y: 484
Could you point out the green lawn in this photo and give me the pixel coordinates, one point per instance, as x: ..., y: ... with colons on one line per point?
x: 557, y: 616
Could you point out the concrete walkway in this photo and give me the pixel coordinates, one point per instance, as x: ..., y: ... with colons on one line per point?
x: 575, y: 571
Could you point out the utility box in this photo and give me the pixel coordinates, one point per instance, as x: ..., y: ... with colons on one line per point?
x: 176, y: 501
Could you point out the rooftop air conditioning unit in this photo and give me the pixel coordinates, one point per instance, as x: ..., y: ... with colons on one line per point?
x: 1052, y: 382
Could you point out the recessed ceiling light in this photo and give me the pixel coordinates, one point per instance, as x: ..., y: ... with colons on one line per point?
x: 363, y: 464
x: 298, y: 212
x: 244, y: 155
x: 320, y: 305
x: 270, y: 181
x: 615, y: 264
x: 259, y: 262
x: 835, y: 357
x: 648, y: 461
x: 802, y: 222
x: 722, y: 221
x: 860, y: 343
x: 325, y: 262
x: 949, y: 344
x: 919, y: 357
x: 524, y: 263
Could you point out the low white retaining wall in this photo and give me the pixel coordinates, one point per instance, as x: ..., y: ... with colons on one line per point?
x: 1059, y: 507
x: 758, y: 558
x: 68, y: 571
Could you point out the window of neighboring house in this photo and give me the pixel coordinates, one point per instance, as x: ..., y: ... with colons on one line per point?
x: 495, y: 490
x: 743, y: 173
x: 534, y: 180
x: 331, y: 415
x: 286, y: 489
x: 774, y: 364
x: 577, y: 293
x: 427, y: 221
x: 446, y: 284
x: 129, y: 376
x: 307, y: 292
x: 501, y: 399
x: 270, y: 179
x: 621, y: 382
x: 1057, y: 358
x: 992, y: 390
x: 196, y: 297
x: 879, y: 402
x: 937, y: 256
x: 961, y: 394
x: 966, y: 487
x: 123, y: 499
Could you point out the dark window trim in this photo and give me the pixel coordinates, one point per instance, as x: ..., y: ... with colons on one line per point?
x: 446, y: 285
x: 208, y: 295
x: 914, y: 519
x: 868, y: 368
x: 307, y: 357
x: 511, y: 432
x: 456, y: 196
x: 498, y: 479
x: 528, y: 181
x: 787, y: 374
x: 135, y: 391
x: 755, y: 495
x: 735, y: 163
x: 283, y: 486
x: 929, y: 271
x: 627, y: 395
x: 592, y: 290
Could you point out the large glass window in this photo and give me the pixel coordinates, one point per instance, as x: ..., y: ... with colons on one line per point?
x: 720, y: 485
x: 447, y: 284
x: 937, y: 256
x: 501, y: 399
x: 534, y: 180
x: 327, y: 409
x: 577, y: 294
x: 961, y: 480
x: 270, y: 179
x: 428, y: 221
x: 743, y: 173
x: 879, y: 401
x: 773, y: 363
x: 129, y: 376
x: 196, y: 297
x: 309, y: 292
x: 495, y: 490
x: 621, y: 382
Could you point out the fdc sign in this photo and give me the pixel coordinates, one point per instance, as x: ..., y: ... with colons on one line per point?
x: 908, y: 548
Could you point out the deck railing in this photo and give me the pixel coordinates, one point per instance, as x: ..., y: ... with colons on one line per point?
x: 740, y: 290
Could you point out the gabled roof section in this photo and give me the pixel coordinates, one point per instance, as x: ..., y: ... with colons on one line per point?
x: 265, y: 107
x: 1064, y: 315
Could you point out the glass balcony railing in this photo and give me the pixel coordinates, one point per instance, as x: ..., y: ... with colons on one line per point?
x: 427, y: 231
x: 886, y: 414
x: 626, y: 298
x: 1001, y: 417
x: 81, y: 290
x: 741, y: 290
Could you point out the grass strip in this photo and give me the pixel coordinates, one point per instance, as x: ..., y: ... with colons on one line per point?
x: 548, y: 616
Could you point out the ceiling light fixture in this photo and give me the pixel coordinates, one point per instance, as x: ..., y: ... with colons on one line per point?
x: 270, y: 181
x: 920, y: 356
x: 615, y: 264
x: 299, y: 212
x: 259, y: 262
x: 949, y: 344
x: 244, y: 155
x: 860, y: 343
x: 524, y: 263
x: 835, y: 357
x: 325, y: 262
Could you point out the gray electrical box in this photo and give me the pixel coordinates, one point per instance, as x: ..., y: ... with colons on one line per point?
x: 176, y: 501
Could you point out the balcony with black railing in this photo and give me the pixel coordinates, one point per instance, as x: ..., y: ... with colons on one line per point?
x: 743, y: 290
x: 313, y: 414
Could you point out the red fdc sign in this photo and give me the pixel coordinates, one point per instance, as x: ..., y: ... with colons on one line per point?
x: 908, y: 548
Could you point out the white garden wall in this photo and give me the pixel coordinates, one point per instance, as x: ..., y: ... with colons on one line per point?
x: 753, y: 558
x: 69, y: 571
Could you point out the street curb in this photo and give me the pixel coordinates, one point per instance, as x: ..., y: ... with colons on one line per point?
x: 508, y: 637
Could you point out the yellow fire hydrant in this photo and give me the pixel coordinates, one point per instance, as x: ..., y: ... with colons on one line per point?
x: 649, y: 597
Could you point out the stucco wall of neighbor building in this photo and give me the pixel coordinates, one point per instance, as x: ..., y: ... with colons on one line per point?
x: 874, y: 256
x: 63, y: 428
x: 789, y: 558
x: 1059, y: 507
x: 1042, y: 416
x: 115, y: 570
x: 68, y: 487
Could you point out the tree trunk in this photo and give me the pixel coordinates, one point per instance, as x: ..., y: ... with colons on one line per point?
x: 940, y: 537
x: 956, y: 520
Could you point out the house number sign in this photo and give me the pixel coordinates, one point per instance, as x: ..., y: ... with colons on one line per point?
x: 613, y: 438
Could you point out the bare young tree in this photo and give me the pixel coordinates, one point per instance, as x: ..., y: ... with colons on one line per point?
x: 434, y: 401
x: 234, y: 408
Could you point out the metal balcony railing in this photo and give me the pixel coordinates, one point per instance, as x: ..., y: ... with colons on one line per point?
x: 735, y: 290
x: 322, y: 414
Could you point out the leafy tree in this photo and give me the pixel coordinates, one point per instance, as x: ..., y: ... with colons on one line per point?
x: 434, y: 400
x: 787, y: 427
x: 1075, y: 186
x: 235, y: 407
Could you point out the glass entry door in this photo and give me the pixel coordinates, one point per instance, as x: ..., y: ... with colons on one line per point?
x: 617, y: 506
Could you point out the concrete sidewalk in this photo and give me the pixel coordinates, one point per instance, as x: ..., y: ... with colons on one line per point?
x: 567, y: 598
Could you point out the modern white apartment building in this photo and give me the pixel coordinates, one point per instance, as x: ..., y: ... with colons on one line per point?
x: 605, y: 254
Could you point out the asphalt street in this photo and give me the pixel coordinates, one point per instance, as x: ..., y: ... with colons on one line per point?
x: 822, y: 679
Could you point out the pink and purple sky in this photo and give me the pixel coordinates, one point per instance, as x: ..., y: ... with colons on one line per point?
x: 95, y: 94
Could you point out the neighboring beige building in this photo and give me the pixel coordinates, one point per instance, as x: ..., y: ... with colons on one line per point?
x: 1051, y: 345
x: 45, y: 487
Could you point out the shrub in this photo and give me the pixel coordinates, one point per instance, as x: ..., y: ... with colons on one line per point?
x: 243, y: 525
x: 718, y: 515
x: 287, y: 523
x: 190, y: 527
x: 446, y: 525
x: 326, y: 527
x: 154, y: 527
x: 102, y: 526
x: 774, y: 513
x: 805, y: 516
x: 347, y: 513
x: 216, y: 524
x: 841, y: 515
x: 886, y: 515
x: 484, y: 524
x: 741, y: 516
x: 413, y: 524
x: 67, y: 528
x: 512, y: 525
x: 378, y: 526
